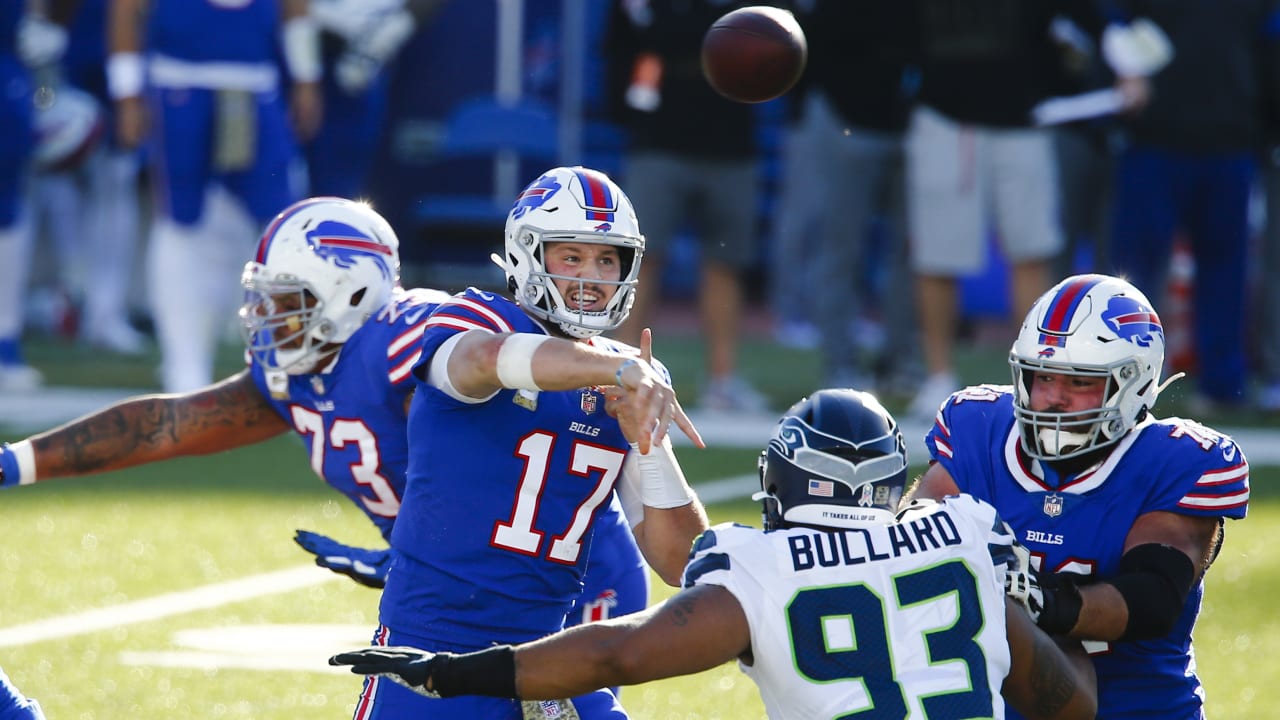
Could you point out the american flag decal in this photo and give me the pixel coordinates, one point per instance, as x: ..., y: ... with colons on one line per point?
x: 822, y: 488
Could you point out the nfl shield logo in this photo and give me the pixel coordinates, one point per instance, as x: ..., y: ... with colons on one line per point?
x: 1053, y: 505
x: 589, y: 400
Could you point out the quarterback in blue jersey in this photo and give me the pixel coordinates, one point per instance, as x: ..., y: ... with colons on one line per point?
x: 1123, y: 512
x: 521, y: 449
x: 842, y: 607
x: 331, y: 338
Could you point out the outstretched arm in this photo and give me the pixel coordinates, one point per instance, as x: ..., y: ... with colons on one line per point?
x: 144, y: 429
x: 1046, y: 682
x: 693, y: 631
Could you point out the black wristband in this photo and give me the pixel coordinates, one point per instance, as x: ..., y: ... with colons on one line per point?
x: 490, y: 672
x: 1062, y: 602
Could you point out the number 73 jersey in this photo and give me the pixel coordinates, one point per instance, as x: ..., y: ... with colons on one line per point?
x: 905, y: 620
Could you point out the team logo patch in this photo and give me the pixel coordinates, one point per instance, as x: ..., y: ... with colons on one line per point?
x: 343, y: 245
x: 590, y: 401
x: 1053, y: 505
x: 1133, y: 321
x: 535, y: 196
x: 1046, y: 353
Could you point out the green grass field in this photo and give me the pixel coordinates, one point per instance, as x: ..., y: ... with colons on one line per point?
x: 169, y: 543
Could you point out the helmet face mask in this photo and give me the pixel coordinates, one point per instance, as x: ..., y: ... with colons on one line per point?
x: 575, y: 205
x: 836, y: 460
x: 1091, y: 326
x: 322, y: 268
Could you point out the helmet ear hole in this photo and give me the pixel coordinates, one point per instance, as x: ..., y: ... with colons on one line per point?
x: 358, y: 296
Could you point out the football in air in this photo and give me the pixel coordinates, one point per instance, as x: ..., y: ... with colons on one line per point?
x: 754, y: 54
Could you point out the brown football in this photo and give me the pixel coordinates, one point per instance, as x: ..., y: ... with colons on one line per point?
x: 754, y: 54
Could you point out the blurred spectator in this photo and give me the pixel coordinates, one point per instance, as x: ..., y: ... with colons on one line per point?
x: 1189, y: 165
x: 25, y: 41
x: 973, y: 155
x: 1268, y: 314
x: 359, y: 41
x: 1085, y: 153
x: 861, y: 64
x: 793, y: 262
x: 221, y: 147
x: 87, y: 190
x: 692, y: 159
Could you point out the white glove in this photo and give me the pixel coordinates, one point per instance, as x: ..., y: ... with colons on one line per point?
x: 1021, y: 583
x: 40, y: 42
x: 368, y: 52
x: 1139, y: 48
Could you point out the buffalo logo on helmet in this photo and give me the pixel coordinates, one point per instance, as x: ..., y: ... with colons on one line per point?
x: 1132, y: 321
x: 535, y: 196
x: 1046, y: 352
x: 344, y: 245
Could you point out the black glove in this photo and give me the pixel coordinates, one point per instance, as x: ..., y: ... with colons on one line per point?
x: 407, y: 666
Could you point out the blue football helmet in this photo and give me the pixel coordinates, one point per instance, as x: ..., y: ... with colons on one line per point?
x: 836, y: 460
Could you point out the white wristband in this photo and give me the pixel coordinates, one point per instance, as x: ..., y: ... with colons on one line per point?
x: 26, y: 457
x: 515, y: 360
x: 662, y: 483
x: 125, y: 75
x: 300, y: 39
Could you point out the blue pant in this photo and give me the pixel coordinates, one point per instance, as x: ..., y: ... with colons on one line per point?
x: 1207, y: 195
x: 382, y: 699
x: 185, y: 127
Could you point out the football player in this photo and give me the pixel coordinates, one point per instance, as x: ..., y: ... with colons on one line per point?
x: 839, y: 608
x: 17, y: 138
x: 331, y: 339
x: 200, y: 83
x: 359, y: 39
x: 1123, y: 512
x: 520, y: 453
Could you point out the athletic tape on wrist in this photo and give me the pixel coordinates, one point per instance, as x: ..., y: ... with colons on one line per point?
x: 515, y: 361
x: 662, y: 483
x: 300, y: 39
x: 19, y: 463
x: 126, y: 75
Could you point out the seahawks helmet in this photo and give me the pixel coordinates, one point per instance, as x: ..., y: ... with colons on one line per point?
x: 836, y: 460
x: 570, y: 204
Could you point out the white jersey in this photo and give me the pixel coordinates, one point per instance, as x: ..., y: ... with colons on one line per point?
x: 901, y: 621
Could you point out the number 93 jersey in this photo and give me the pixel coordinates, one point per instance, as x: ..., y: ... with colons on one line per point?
x: 907, y: 618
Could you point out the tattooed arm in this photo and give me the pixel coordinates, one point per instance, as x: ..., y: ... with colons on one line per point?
x: 1046, y: 682
x: 228, y: 414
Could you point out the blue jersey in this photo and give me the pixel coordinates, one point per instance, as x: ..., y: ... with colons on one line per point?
x: 240, y: 31
x: 1079, y: 523
x: 352, y: 418
x: 502, y: 497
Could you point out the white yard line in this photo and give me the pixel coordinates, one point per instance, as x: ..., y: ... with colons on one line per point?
x: 177, y: 603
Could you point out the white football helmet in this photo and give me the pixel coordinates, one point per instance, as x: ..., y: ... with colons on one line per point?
x: 1091, y: 326
x: 570, y: 204
x: 322, y: 268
